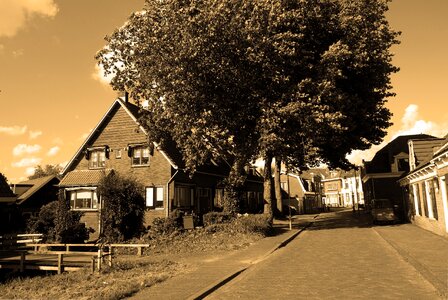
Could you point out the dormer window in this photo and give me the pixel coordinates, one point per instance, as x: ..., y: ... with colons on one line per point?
x: 97, y: 157
x: 140, y: 156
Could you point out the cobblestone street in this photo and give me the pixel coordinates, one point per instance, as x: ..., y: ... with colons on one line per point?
x: 340, y: 256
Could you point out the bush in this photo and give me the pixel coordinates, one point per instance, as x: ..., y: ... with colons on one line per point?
x: 212, y: 218
x: 258, y: 223
x: 58, y: 224
x: 123, y: 207
x: 166, y: 226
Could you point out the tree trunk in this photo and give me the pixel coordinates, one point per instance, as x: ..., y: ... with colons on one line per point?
x: 277, y: 186
x: 233, y: 184
x: 267, y: 193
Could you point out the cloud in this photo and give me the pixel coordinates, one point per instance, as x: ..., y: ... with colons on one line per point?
x: 13, y: 130
x: 25, y: 149
x: 29, y: 171
x: 57, y: 141
x: 14, y: 14
x: 35, y: 134
x: 27, y: 162
x: 98, y: 74
x: 411, y: 123
x: 53, y: 151
x: 99, y: 71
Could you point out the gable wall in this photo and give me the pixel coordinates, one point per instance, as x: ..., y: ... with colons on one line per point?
x: 117, y: 133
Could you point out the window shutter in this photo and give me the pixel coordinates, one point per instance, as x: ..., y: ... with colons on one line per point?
x: 150, y: 197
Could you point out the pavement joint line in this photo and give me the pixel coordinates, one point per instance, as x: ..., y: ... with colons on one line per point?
x: 440, y: 287
x: 229, y: 277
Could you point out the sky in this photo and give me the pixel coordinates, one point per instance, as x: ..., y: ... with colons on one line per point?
x: 52, y: 93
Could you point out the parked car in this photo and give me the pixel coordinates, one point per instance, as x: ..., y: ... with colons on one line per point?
x: 383, y: 211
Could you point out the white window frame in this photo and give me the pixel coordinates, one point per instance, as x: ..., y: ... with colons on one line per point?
x: 94, y: 201
x: 155, y: 197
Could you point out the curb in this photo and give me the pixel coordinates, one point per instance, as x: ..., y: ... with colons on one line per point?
x: 229, y: 277
x: 440, y: 287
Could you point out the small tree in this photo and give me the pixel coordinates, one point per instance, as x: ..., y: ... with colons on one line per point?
x: 122, y: 207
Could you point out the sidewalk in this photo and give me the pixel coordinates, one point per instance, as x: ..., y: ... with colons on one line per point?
x: 425, y: 251
x: 209, y: 274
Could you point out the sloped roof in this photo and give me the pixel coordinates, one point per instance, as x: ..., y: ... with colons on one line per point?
x: 134, y: 112
x: 424, y: 149
x: 382, y: 160
x: 35, y: 185
x: 83, y: 178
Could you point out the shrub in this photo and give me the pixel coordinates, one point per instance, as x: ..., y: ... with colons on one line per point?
x: 58, y: 224
x: 166, y: 226
x: 258, y: 223
x: 123, y: 207
x: 212, y: 218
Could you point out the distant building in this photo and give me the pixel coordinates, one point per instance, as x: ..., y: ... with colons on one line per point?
x: 305, y: 191
x: 425, y: 186
x: 390, y: 163
x: 343, y: 188
x: 35, y: 193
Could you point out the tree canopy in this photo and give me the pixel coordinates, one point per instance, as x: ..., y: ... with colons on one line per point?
x: 304, y: 81
x: 47, y: 170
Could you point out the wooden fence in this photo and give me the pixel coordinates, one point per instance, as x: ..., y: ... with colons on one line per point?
x: 102, y: 253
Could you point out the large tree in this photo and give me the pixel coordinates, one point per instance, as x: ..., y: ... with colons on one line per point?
x: 302, y: 81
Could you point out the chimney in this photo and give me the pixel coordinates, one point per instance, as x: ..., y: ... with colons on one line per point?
x: 126, y: 97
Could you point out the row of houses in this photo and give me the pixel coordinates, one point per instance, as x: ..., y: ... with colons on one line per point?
x: 411, y: 171
x: 119, y: 144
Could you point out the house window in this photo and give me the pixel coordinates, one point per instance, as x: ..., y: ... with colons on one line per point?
x: 424, y: 199
x: 432, y: 195
x: 140, y: 156
x: 97, y: 159
x: 183, y: 196
x: 83, y: 200
x: 154, y: 197
x: 403, y: 164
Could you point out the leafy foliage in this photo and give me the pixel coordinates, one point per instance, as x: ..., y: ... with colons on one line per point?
x: 217, y: 218
x: 59, y: 224
x: 40, y: 171
x: 123, y: 207
x: 304, y: 81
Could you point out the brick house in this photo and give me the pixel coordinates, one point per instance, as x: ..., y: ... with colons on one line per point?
x: 119, y: 143
x: 425, y: 186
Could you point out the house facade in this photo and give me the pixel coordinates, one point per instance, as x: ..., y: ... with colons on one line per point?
x: 118, y: 143
x: 8, y: 209
x: 303, y: 192
x: 425, y: 186
x: 343, y: 188
x: 380, y: 175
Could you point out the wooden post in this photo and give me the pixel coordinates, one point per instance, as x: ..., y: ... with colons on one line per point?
x: 99, y: 258
x: 60, y: 262
x: 22, y: 262
x: 67, y: 248
x: 139, y: 251
x: 110, y: 256
x: 93, y: 264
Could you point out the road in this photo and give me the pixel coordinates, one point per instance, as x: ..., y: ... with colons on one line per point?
x: 338, y: 257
